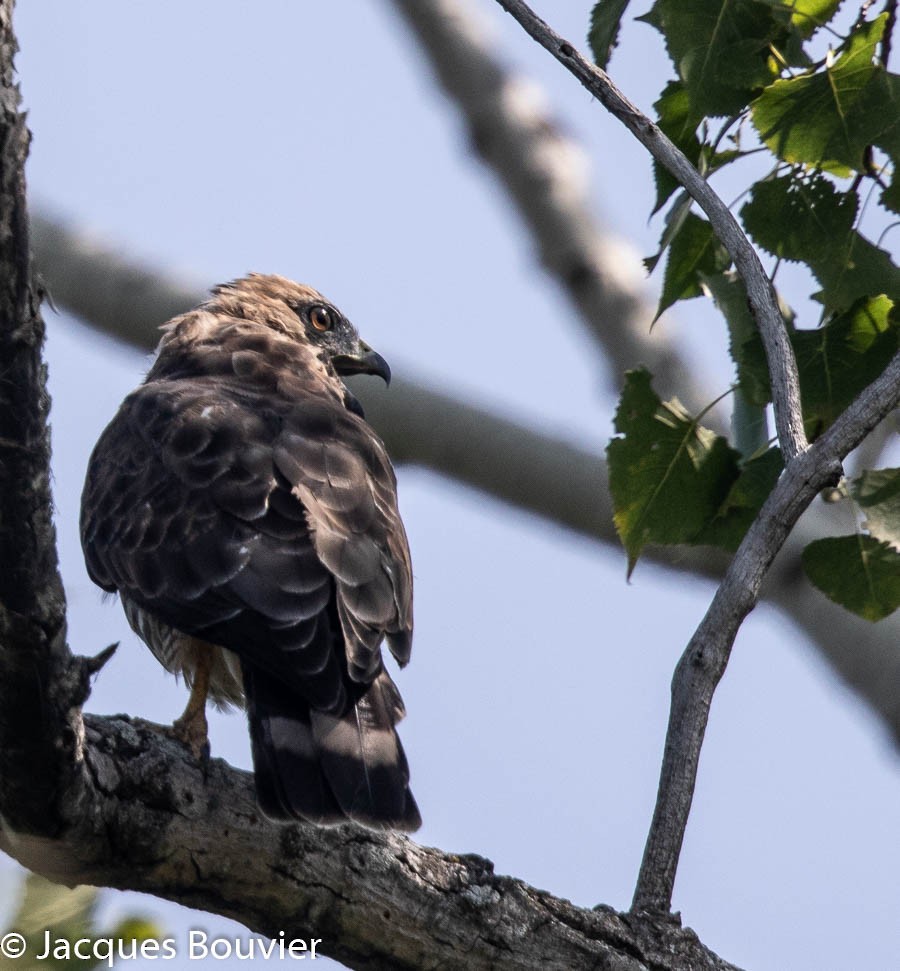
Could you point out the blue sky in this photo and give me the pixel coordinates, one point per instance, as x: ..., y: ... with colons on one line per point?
x: 309, y: 140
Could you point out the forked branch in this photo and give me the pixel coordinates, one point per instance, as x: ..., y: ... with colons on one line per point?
x: 706, y: 656
x: 809, y: 468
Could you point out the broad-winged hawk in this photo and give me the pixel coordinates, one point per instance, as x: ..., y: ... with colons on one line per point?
x: 247, y: 515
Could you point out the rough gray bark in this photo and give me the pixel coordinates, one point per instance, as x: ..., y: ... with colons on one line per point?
x: 143, y: 815
x: 32, y: 610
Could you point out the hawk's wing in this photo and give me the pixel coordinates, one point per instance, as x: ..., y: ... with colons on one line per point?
x: 270, y: 528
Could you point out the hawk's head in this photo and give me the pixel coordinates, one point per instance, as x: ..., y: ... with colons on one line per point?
x: 266, y: 304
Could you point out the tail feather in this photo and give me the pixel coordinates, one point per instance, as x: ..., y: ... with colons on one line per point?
x: 364, y: 761
x: 288, y: 774
x: 327, y: 768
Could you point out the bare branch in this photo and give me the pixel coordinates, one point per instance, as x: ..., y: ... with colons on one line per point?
x: 545, y: 175
x: 706, y: 656
x: 760, y: 293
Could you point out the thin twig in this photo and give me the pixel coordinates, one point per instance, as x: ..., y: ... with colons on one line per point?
x: 760, y: 293
x: 706, y: 656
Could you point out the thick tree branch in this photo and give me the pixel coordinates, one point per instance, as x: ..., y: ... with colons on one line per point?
x: 544, y: 174
x: 146, y: 816
x: 760, y: 292
x: 35, y: 670
x: 706, y: 656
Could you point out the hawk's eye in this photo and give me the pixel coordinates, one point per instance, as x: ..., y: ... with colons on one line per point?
x: 321, y: 318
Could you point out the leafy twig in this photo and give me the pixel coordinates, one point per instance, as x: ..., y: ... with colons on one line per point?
x: 761, y: 295
x: 808, y: 469
x: 706, y: 656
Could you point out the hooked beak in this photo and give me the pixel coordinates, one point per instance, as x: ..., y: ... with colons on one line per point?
x: 364, y: 361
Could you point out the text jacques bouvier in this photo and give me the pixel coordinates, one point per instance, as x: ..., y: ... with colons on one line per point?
x: 198, y: 947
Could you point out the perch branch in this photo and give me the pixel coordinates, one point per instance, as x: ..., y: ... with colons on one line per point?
x: 145, y: 815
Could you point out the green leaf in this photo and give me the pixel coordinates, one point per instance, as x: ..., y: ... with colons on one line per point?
x: 890, y: 198
x: 744, y: 500
x: 606, y: 18
x: 877, y: 493
x: 836, y: 362
x: 720, y: 49
x: 674, y: 220
x: 806, y: 219
x: 694, y: 253
x: 858, y: 269
x: 858, y: 572
x: 668, y: 474
x: 674, y: 119
x: 828, y: 119
x: 807, y: 16
x: 799, y: 218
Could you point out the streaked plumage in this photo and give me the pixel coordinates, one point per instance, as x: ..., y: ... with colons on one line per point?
x: 239, y: 501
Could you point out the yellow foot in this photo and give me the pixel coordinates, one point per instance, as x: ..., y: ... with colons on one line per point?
x: 191, y: 730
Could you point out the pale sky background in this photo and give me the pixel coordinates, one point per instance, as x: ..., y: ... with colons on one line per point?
x: 310, y: 140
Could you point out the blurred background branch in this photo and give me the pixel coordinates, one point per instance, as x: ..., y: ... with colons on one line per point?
x: 546, y: 178
x: 558, y: 480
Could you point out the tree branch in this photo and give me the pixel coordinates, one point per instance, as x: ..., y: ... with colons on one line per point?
x: 36, y: 673
x: 544, y: 174
x: 706, y: 656
x: 760, y: 292
x: 146, y: 816
x: 808, y: 469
